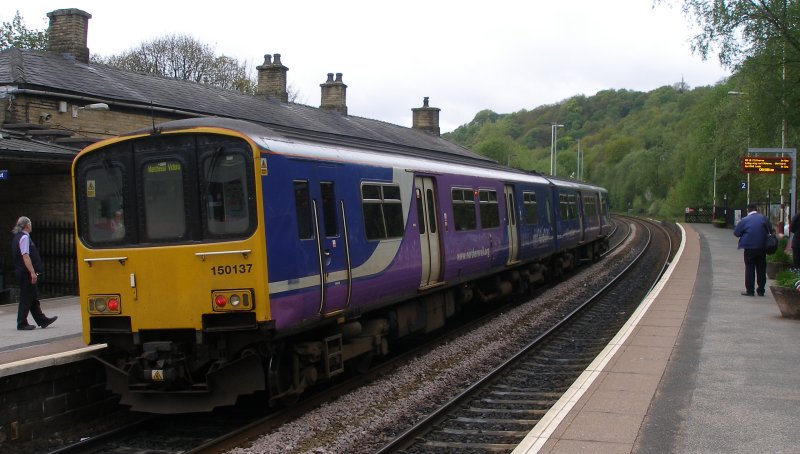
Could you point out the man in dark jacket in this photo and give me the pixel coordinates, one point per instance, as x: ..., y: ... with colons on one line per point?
x: 27, y: 269
x: 752, y: 232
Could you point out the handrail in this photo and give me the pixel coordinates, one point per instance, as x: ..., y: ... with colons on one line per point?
x: 121, y: 260
x: 203, y: 255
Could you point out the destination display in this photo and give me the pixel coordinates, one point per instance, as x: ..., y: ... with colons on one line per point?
x: 755, y: 164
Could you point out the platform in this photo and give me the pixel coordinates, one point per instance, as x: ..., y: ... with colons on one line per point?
x: 60, y: 342
x: 699, y: 368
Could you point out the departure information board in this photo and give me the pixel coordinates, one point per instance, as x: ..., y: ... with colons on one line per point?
x: 755, y: 164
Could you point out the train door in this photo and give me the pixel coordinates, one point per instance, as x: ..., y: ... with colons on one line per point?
x: 581, y: 215
x: 333, y: 249
x: 428, y: 231
x: 511, y: 224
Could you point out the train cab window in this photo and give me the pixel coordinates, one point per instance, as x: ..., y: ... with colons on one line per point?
x: 164, y: 207
x: 226, y: 192
x: 490, y: 216
x: 464, y: 209
x: 302, y: 207
x: 227, y: 206
x: 383, y: 211
x: 529, y: 204
x: 330, y: 218
x: 104, y: 202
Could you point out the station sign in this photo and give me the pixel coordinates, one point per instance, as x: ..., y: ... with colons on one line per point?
x: 756, y: 164
x: 3, y: 174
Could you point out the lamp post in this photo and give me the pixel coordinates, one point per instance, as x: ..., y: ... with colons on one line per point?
x: 741, y: 93
x: 554, y: 147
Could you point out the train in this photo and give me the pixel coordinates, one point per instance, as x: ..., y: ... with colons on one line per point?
x: 221, y: 258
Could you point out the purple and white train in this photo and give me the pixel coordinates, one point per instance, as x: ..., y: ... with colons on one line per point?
x: 220, y: 258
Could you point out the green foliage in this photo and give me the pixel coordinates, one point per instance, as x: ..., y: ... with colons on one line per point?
x: 787, y: 278
x: 16, y: 34
x: 780, y: 255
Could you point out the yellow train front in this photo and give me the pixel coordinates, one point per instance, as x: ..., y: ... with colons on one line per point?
x: 172, y: 265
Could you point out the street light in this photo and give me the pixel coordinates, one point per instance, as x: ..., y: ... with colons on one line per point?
x: 95, y: 106
x: 740, y: 93
x: 554, y: 147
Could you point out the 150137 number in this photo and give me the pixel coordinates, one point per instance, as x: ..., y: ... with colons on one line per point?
x: 221, y: 270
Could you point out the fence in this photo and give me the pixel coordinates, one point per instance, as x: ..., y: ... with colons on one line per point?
x: 56, y: 244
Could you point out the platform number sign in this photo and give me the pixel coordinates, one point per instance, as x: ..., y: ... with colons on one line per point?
x: 3, y: 174
x: 743, y: 185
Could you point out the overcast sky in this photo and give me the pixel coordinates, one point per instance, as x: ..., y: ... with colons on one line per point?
x: 465, y: 55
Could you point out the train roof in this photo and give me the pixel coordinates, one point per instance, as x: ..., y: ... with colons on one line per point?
x: 306, y: 147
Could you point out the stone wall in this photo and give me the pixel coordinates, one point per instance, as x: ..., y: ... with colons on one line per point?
x: 37, y: 404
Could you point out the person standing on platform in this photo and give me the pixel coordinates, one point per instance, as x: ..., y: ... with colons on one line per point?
x: 27, y: 269
x: 794, y: 228
x: 752, y: 232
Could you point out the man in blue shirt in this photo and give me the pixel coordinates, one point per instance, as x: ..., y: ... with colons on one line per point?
x: 752, y: 232
x: 27, y: 268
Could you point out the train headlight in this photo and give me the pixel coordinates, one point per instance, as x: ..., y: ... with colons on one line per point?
x: 104, y: 304
x: 232, y: 300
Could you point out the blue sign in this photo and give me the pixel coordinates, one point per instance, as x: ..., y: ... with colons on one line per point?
x: 743, y: 185
x: 3, y: 174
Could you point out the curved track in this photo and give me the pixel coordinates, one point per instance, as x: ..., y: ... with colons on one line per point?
x: 495, y: 413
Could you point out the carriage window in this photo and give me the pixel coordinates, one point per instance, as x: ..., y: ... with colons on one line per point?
x: 529, y: 202
x: 302, y: 206
x: 464, y: 209
x: 567, y: 207
x: 488, y: 205
x: 431, y: 209
x: 420, y: 212
x: 383, y: 211
x: 164, y: 207
x: 329, y: 210
x: 227, y: 210
x: 105, y: 204
x: 591, y: 206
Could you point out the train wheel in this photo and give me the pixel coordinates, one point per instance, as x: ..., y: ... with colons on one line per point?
x: 280, y: 378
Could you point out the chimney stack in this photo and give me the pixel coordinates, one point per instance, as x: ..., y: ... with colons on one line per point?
x: 334, y: 94
x: 426, y: 118
x: 272, y: 78
x: 67, y: 33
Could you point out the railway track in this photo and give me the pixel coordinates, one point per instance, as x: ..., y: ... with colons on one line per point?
x: 224, y: 430
x: 495, y: 413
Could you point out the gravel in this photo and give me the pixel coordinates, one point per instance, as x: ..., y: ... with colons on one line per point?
x: 365, y: 419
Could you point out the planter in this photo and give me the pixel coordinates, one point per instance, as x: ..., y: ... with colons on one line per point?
x: 788, y: 300
x: 773, y: 268
x: 720, y: 224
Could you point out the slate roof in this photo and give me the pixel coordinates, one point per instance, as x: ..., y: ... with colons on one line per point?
x: 62, y: 73
x: 18, y: 145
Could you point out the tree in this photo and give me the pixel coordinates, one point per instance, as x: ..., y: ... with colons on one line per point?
x: 16, y: 34
x: 184, y: 57
x: 742, y: 28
